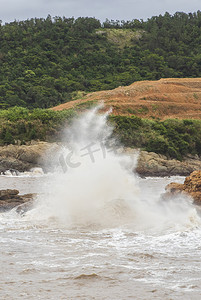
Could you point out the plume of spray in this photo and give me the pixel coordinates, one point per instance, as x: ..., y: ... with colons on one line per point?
x: 96, y: 185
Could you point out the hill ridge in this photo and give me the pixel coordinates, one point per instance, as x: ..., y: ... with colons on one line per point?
x: 164, y: 98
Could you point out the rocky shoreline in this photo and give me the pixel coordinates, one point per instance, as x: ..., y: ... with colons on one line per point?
x: 25, y: 157
x: 152, y: 164
x: 11, y: 198
x: 42, y: 154
x: 45, y: 155
x: 190, y: 187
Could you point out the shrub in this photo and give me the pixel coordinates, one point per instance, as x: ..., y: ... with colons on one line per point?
x: 8, y: 138
x: 158, y: 144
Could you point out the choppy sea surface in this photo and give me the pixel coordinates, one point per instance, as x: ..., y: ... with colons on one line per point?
x: 97, y: 230
x: 42, y: 257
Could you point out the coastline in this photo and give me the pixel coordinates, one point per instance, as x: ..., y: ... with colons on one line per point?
x: 42, y: 154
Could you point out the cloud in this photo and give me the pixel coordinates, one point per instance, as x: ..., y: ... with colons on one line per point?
x: 111, y: 9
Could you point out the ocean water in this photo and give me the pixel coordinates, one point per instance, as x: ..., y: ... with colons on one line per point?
x: 97, y: 230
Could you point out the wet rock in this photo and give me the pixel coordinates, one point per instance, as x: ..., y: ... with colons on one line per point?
x: 25, y: 157
x: 191, y: 187
x: 174, y: 187
x: 21, y: 158
x: 11, y: 198
x: 7, y: 194
x: 23, y: 208
x: 152, y: 164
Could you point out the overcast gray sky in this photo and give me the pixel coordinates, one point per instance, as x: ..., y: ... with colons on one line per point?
x: 101, y: 9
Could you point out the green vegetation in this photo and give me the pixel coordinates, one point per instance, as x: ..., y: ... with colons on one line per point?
x: 174, y: 138
x: 45, y: 62
x: 121, y: 37
x: 21, y: 124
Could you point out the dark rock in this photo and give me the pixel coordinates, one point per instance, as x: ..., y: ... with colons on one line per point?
x: 8, y: 194
x: 11, y: 198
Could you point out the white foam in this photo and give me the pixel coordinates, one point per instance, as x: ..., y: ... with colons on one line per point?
x: 101, y: 188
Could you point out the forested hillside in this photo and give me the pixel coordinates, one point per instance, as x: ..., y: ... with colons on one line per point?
x: 44, y: 62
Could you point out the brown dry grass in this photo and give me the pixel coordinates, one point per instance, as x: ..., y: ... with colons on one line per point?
x: 165, y: 98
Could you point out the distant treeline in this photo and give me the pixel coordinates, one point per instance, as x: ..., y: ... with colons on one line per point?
x: 174, y: 138
x: 43, y: 62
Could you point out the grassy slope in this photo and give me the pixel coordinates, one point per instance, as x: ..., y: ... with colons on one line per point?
x: 163, y: 99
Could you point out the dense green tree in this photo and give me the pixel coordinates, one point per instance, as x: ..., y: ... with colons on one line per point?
x: 44, y: 60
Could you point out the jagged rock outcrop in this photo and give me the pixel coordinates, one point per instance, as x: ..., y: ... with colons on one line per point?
x: 152, y: 164
x: 191, y: 187
x: 44, y: 155
x: 23, y: 158
x: 11, y: 198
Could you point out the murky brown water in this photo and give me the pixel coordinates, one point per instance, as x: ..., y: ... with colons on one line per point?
x: 41, y: 258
